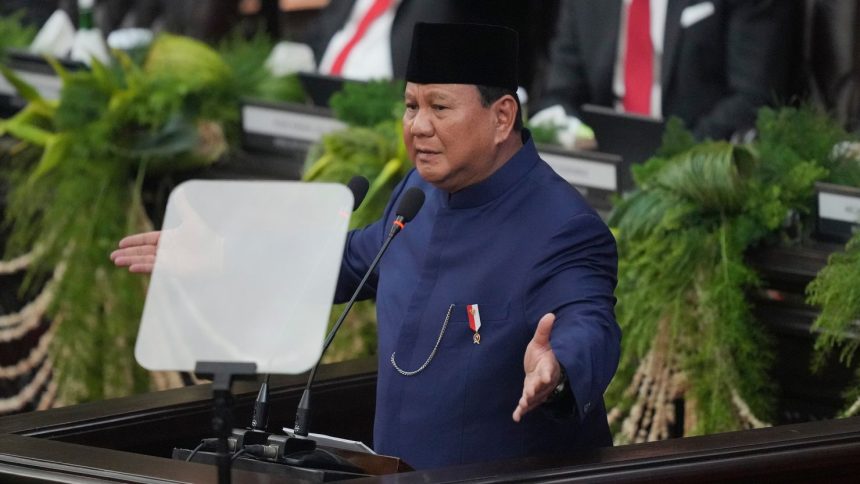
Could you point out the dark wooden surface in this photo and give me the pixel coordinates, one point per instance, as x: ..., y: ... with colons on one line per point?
x: 779, y: 303
x: 812, y: 452
x: 131, y: 439
x: 125, y: 440
x: 344, y: 403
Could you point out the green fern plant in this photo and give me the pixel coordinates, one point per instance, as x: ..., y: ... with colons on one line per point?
x: 689, y: 333
x: 13, y: 32
x: 836, y: 290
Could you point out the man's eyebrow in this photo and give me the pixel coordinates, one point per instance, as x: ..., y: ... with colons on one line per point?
x: 439, y: 96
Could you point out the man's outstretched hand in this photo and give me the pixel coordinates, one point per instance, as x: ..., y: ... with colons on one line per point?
x: 543, y: 371
x: 137, y: 252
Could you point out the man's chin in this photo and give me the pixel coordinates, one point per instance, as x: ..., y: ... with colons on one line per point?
x: 432, y: 176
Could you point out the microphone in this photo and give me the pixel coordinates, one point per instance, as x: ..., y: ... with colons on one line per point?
x: 409, y: 206
x: 358, y: 185
x: 260, y: 416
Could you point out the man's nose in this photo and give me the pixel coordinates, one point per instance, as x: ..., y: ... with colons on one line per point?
x: 421, y: 124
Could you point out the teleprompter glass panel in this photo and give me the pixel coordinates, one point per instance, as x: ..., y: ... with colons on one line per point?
x: 245, y: 272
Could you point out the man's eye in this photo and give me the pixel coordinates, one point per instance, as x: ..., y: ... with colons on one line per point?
x: 439, y: 107
x: 411, y: 106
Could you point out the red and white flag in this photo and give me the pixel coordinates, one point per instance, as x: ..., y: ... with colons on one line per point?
x: 474, y: 321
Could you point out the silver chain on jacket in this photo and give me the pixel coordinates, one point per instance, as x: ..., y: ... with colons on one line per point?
x: 432, y: 353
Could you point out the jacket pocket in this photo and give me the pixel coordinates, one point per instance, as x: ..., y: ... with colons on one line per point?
x: 489, y: 315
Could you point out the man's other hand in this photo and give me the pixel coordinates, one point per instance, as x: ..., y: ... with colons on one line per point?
x: 137, y: 252
x: 543, y: 371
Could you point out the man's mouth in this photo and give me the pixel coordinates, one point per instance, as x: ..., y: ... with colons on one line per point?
x: 425, y: 152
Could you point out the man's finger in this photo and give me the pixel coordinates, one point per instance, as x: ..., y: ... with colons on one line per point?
x: 127, y: 259
x: 517, y: 415
x: 525, y: 406
x: 522, y: 409
x: 141, y: 268
x: 528, y: 390
x: 143, y: 250
x: 522, y: 406
x: 146, y: 238
x: 134, y: 259
x: 544, y: 328
x: 538, y: 383
x: 537, y: 396
x: 528, y: 402
x: 532, y: 397
x: 545, y: 372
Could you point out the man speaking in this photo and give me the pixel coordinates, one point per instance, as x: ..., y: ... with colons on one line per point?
x: 497, y: 334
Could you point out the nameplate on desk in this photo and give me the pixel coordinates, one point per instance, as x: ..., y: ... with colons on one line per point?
x: 838, y: 210
x: 48, y: 85
x: 588, y: 170
x: 34, y: 70
x: 266, y: 124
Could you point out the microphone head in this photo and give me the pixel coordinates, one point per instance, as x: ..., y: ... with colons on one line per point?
x: 358, y: 185
x: 410, y: 204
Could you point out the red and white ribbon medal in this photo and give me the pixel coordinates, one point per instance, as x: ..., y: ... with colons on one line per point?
x: 474, y: 322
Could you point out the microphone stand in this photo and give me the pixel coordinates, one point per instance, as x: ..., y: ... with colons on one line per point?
x: 303, y: 410
x: 409, y: 206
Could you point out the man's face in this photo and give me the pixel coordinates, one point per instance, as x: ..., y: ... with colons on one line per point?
x: 450, y: 136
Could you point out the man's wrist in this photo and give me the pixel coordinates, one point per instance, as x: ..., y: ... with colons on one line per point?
x: 560, y: 386
x: 560, y: 403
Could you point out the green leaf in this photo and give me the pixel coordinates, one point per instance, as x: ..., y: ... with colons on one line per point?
x: 58, y: 68
x: 367, y: 104
x: 711, y: 175
x: 83, y: 100
x: 25, y: 90
x: 55, y: 152
x: 389, y: 171
x: 27, y: 132
x: 14, y: 33
x: 177, y: 136
x: 102, y: 76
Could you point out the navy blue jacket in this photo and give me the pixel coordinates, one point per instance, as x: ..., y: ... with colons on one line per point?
x: 519, y: 244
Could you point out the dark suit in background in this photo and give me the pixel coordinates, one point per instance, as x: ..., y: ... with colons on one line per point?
x: 715, y: 73
x: 832, y: 56
x: 333, y: 17
x: 207, y: 20
x: 36, y: 13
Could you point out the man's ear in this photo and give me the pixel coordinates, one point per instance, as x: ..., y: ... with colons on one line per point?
x: 505, y: 111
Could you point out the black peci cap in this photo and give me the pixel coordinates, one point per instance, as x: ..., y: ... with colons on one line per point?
x: 463, y: 54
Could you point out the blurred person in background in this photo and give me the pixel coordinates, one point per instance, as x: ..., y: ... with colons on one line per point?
x: 358, y: 39
x: 370, y: 39
x: 35, y: 12
x: 711, y: 63
x: 207, y: 20
x: 832, y: 56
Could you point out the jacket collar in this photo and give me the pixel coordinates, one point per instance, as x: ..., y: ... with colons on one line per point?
x: 514, y: 170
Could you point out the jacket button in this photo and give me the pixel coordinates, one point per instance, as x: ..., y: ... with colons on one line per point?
x: 587, y: 407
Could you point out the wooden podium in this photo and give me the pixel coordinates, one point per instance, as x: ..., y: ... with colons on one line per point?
x: 131, y: 439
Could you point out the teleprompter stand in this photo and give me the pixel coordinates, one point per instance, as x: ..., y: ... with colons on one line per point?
x: 230, y: 440
x: 222, y: 375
